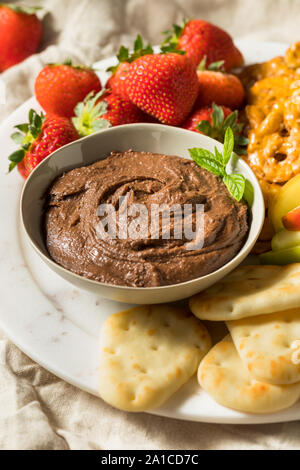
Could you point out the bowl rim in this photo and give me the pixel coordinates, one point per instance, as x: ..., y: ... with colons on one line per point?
x: 247, y: 246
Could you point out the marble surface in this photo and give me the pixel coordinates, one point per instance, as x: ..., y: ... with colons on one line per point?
x: 57, y: 325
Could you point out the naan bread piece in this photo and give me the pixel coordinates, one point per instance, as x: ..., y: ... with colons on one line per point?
x: 223, y: 375
x: 269, y: 346
x: 249, y: 291
x: 147, y: 353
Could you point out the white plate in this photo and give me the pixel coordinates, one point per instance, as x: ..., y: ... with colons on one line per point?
x: 57, y: 325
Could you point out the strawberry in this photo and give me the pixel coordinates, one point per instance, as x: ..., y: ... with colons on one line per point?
x: 200, y: 39
x: 59, y: 87
x: 117, y: 81
x: 163, y: 85
x: 220, y: 88
x: 105, y: 109
x: 40, y: 137
x: 214, y: 121
x: 20, y: 34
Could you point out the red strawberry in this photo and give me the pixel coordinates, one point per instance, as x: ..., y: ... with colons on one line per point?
x: 20, y: 34
x: 213, y: 121
x: 117, y: 81
x: 220, y: 88
x: 202, y: 39
x: 39, y: 138
x: 103, y: 110
x: 163, y: 85
x: 59, y: 87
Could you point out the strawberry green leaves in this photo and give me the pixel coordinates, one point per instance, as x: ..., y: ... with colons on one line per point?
x: 88, y: 114
x: 170, y: 44
x: 139, y: 50
x: 15, y: 158
x: 214, y: 66
x: 216, y: 163
x: 28, y: 132
x: 22, y: 9
x: 219, y: 125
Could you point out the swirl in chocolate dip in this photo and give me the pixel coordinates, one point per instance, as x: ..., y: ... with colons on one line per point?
x: 71, y: 220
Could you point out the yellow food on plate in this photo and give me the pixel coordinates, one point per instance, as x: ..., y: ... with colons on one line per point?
x: 281, y: 257
x: 223, y: 375
x: 285, y: 239
x: 267, y: 345
x: 147, y: 353
x: 272, y: 118
x: 288, y: 198
x: 272, y: 115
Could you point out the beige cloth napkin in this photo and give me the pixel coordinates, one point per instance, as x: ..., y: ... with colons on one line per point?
x: 38, y: 410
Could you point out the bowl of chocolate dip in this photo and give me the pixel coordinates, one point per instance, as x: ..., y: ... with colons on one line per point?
x: 127, y: 214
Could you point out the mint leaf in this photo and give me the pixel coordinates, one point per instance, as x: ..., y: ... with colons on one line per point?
x: 228, y: 145
x: 235, y: 184
x: 200, y: 153
x: 248, y: 193
x: 219, y: 157
x: 207, y: 160
x: 216, y: 163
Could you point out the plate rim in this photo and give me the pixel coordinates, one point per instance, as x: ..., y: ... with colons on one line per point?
x: 291, y: 414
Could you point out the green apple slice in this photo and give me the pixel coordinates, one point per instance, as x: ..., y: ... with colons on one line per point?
x: 281, y: 257
x: 285, y: 239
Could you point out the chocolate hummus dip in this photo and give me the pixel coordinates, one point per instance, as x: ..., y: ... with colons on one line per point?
x: 71, y: 219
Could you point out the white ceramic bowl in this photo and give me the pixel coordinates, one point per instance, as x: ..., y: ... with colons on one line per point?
x: 140, y: 137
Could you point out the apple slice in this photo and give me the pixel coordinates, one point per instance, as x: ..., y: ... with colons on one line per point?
x: 291, y: 220
x: 285, y: 239
x: 287, y: 199
x: 282, y: 257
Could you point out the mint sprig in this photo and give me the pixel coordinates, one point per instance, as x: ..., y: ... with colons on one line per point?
x: 216, y: 163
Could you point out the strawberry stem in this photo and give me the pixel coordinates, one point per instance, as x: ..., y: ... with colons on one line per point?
x: 29, y: 132
x: 170, y: 44
x: 21, y: 9
x: 214, y: 66
x: 89, y: 114
x: 217, y: 130
x: 139, y: 50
